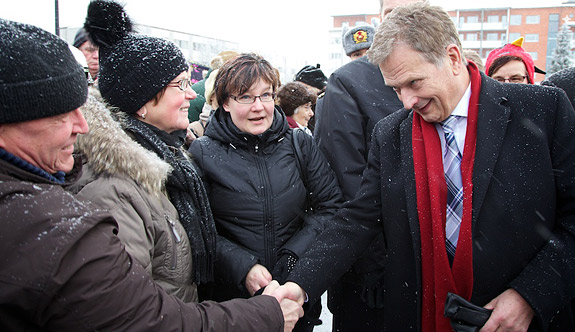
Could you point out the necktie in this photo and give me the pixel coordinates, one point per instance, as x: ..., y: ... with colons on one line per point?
x: 452, y: 169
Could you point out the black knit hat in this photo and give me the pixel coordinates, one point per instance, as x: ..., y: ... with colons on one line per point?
x: 294, y: 94
x: 313, y: 76
x: 39, y: 76
x: 133, y: 68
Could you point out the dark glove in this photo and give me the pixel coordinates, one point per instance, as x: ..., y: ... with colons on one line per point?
x: 284, y: 266
x: 464, y: 315
x: 372, y: 289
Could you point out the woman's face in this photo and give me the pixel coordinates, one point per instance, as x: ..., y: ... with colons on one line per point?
x: 255, y: 117
x: 514, y: 72
x: 304, y: 113
x: 170, y: 113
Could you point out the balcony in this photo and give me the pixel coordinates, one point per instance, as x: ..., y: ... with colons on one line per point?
x: 476, y: 44
x: 485, y: 26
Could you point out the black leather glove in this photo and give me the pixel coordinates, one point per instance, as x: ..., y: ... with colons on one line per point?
x: 372, y: 289
x: 464, y: 315
x: 284, y: 266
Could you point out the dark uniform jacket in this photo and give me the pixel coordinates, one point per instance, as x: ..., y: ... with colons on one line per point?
x: 523, y: 214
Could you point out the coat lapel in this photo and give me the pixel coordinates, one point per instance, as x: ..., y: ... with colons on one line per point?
x: 492, y: 121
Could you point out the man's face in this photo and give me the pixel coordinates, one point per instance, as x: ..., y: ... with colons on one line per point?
x: 429, y: 90
x: 388, y: 6
x: 46, y: 143
x: 91, y: 54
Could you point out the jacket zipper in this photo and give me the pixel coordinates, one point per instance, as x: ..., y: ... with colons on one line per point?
x: 176, y: 239
x: 268, y: 223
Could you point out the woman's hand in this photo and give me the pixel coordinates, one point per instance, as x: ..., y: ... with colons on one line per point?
x: 258, y: 277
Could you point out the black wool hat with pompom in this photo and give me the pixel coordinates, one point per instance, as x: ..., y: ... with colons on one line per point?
x: 133, y: 68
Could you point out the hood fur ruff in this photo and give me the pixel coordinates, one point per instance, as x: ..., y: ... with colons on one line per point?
x: 110, y: 150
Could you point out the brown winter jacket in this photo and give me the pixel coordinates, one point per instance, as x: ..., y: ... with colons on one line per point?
x: 126, y: 179
x: 63, y: 268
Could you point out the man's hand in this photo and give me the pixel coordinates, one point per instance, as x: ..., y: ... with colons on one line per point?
x: 291, y: 310
x: 258, y: 277
x: 290, y: 290
x: 510, y: 313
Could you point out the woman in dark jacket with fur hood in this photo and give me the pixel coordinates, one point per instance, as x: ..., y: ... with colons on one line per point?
x: 270, y: 189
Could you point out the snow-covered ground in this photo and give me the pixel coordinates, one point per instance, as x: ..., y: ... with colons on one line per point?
x: 325, y: 316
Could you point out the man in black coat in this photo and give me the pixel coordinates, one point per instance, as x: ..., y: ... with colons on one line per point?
x: 356, y: 98
x: 515, y: 251
x: 564, y: 79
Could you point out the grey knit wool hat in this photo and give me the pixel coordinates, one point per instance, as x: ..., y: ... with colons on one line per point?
x: 133, y: 67
x: 39, y: 76
x: 80, y: 38
x: 357, y: 38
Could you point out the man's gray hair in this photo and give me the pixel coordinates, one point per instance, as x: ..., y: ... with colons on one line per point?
x: 427, y: 29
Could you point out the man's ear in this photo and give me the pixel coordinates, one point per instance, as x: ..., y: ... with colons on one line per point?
x: 455, y: 59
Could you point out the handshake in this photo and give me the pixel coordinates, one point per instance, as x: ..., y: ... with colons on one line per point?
x: 291, y: 298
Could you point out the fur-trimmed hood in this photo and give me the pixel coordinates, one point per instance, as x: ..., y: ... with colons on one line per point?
x: 110, y: 150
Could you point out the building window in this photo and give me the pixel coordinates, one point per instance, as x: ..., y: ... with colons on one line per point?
x: 532, y: 37
x: 533, y: 55
x: 514, y: 36
x: 492, y: 36
x: 493, y: 18
x: 472, y: 36
x: 472, y: 19
x: 532, y: 19
x: 515, y: 20
x: 461, y: 20
x: 461, y: 36
x: 504, y: 20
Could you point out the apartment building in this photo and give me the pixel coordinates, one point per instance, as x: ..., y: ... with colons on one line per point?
x: 484, y: 29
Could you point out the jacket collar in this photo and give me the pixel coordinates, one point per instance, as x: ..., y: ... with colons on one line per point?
x: 222, y: 128
x: 109, y: 149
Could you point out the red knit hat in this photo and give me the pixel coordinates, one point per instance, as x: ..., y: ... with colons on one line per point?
x: 514, y: 49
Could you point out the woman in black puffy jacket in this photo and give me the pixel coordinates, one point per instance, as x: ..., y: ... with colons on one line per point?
x: 271, y: 190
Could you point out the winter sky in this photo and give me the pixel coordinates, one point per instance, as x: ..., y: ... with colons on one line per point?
x: 289, y: 26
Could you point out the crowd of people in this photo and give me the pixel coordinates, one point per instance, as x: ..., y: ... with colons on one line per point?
x: 423, y: 192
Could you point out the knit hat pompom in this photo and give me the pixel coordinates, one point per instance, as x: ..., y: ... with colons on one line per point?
x: 133, y: 68
x: 39, y: 76
x: 294, y: 94
x: 107, y: 23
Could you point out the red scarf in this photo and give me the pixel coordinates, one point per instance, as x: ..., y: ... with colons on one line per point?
x: 438, y: 276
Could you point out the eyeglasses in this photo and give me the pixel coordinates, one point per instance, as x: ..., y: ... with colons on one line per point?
x: 247, y: 99
x: 182, y: 84
x: 512, y: 79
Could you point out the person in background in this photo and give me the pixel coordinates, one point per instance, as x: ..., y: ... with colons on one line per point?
x: 297, y: 101
x: 472, y: 185
x: 313, y: 78
x: 271, y: 190
x: 564, y: 79
x: 90, y: 51
x: 316, y: 81
x: 197, y: 128
x: 197, y: 105
x: 474, y: 56
x: 357, y: 40
x: 511, y: 64
x: 356, y: 98
x: 63, y: 267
